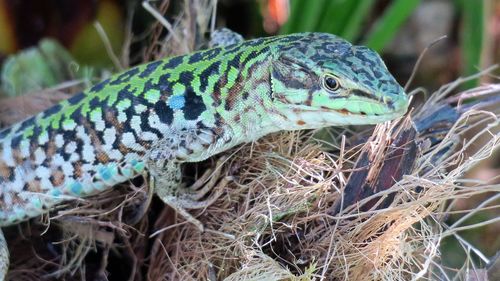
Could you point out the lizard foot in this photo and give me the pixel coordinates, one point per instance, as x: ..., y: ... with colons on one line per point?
x: 206, y: 183
x: 182, y: 202
x: 192, y: 199
x: 167, y: 185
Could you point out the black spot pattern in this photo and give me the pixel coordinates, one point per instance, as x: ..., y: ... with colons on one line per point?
x: 194, y: 105
x: 213, y: 69
x: 95, y: 102
x: 165, y: 113
x: 164, y: 85
x: 99, y: 86
x: 146, y: 127
x: 26, y: 124
x: 5, y: 132
x: 125, y: 76
x: 16, y: 141
x: 150, y: 68
x: 173, y: 63
x: 206, y: 55
x: 51, y: 111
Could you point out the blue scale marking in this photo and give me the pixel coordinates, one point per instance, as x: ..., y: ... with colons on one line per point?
x: 76, y: 188
x: 55, y: 193
x: 137, y: 166
x: 176, y: 102
x: 105, y: 173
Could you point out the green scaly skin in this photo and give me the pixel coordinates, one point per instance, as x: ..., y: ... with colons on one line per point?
x: 159, y: 115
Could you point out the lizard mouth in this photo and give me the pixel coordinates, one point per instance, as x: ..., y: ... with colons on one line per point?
x: 342, y: 111
x: 345, y: 112
x: 389, y: 115
x: 308, y: 118
x: 345, y: 116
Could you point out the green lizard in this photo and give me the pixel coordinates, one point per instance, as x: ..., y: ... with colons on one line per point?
x: 156, y: 116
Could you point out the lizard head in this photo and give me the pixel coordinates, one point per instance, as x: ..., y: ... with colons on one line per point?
x: 319, y: 80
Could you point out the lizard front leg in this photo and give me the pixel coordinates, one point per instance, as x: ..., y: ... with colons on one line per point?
x: 164, y: 161
x: 167, y: 180
x: 167, y: 184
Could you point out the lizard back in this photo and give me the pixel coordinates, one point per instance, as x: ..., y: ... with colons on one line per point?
x: 102, y: 136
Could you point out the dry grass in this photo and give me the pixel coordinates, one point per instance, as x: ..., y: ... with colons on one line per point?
x: 273, y: 222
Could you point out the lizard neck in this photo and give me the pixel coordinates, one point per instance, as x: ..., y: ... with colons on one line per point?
x: 246, y: 111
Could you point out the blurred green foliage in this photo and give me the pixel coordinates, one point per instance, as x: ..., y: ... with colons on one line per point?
x: 471, y: 36
x: 369, y: 23
x: 40, y: 67
x: 35, y: 68
x: 389, y: 23
x: 347, y: 19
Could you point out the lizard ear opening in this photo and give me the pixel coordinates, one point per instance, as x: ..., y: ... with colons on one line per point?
x: 286, y: 67
x: 290, y: 79
x: 280, y: 71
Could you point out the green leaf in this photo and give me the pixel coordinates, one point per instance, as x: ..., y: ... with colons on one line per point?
x: 471, y: 37
x: 336, y: 16
x: 35, y: 68
x: 352, y: 29
x: 304, y: 16
x: 386, y: 27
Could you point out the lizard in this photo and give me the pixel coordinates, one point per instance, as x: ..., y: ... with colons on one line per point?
x: 156, y: 116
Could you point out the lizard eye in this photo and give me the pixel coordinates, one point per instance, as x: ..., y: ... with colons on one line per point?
x: 331, y: 83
